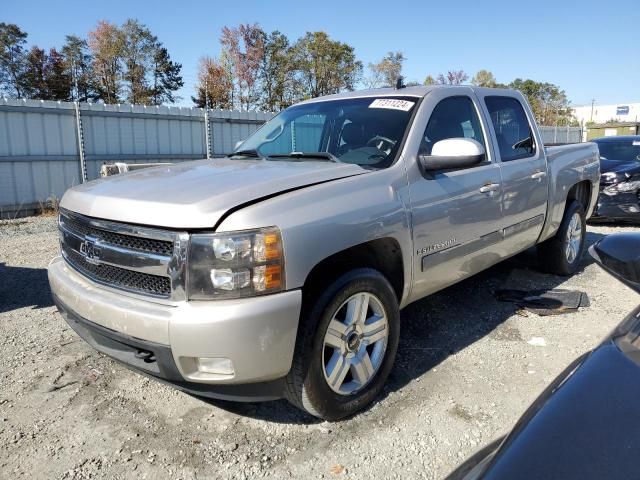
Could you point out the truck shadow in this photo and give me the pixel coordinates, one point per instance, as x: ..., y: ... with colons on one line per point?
x: 23, y: 287
x: 440, y: 326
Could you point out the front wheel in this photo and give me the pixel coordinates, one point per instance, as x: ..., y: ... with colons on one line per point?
x: 562, y: 253
x: 346, y: 346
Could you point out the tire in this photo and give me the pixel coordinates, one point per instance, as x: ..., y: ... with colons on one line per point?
x: 322, y: 355
x: 561, y: 254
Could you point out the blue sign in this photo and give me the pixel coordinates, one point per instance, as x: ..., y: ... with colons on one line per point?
x: 622, y: 110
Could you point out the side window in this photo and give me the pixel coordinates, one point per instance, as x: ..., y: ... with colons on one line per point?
x: 453, y: 117
x: 513, y: 133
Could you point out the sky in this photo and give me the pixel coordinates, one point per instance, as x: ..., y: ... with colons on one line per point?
x: 591, y: 49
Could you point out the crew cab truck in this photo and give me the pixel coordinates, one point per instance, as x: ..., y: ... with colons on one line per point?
x: 280, y: 271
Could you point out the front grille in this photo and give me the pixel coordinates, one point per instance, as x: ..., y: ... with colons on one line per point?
x: 150, y: 245
x: 141, y: 260
x: 120, y: 277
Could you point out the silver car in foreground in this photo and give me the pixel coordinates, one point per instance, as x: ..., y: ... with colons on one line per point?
x: 280, y: 271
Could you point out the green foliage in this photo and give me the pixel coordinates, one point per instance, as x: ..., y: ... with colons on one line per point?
x: 260, y: 70
x: 138, y: 54
x: 429, y: 80
x: 548, y: 102
x: 114, y: 64
x: 324, y: 66
x: 12, y: 59
x: 386, y: 72
x: 57, y: 77
x: 33, y: 80
x: 484, y: 78
x: 166, y: 77
x: 255, y: 70
x: 45, y: 76
x: 277, y: 73
x: 79, y: 66
x: 214, y: 89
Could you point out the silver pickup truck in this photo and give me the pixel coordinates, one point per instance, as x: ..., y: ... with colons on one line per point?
x: 280, y: 271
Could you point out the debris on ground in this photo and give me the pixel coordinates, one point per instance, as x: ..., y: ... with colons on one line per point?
x: 545, y: 302
x: 537, y: 342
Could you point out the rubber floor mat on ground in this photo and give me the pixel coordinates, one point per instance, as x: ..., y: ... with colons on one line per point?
x: 545, y: 302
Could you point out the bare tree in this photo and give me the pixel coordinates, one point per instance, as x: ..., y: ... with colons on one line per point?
x: 454, y: 77
x: 107, y: 43
x: 242, y: 53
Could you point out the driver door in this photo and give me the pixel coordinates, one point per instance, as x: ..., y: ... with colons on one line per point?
x: 456, y: 214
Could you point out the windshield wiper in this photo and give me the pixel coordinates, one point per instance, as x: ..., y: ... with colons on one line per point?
x: 252, y: 153
x: 329, y: 157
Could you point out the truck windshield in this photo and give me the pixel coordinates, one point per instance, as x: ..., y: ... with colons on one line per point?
x: 364, y: 131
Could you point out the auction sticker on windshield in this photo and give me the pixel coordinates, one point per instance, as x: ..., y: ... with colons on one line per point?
x: 392, y: 103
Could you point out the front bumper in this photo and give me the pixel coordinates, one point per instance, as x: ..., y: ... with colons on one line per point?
x: 257, y: 334
x: 622, y: 206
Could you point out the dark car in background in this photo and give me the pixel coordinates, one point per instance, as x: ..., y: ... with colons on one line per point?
x: 620, y: 179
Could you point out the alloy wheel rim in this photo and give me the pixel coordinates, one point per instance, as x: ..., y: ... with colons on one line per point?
x: 355, y: 343
x: 574, y: 238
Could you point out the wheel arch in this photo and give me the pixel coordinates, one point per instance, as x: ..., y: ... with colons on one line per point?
x: 382, y: 254
x: 581, y: 192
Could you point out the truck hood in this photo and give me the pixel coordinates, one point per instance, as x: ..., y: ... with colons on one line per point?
x: 196, y: 194
x: 619, y: 166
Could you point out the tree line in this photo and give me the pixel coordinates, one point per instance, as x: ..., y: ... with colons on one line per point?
x: 255, y: 70
x: 267, y: 71
x: 112, y: 64
x: 549, y: 102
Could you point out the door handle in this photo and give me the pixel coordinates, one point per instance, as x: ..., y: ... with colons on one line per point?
x: 489, y: 187
x: 539, y: 175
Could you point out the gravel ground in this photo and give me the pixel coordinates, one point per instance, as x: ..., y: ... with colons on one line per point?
x: 464, y: 374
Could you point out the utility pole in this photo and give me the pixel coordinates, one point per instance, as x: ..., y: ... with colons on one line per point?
x: 79, y: 130
x: 76, y: 93
x: 207, y: 128
x: 593, y: 101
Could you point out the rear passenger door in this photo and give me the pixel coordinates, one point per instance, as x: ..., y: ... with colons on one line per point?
x: 523, y: 170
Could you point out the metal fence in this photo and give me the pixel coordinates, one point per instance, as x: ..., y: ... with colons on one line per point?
x: 556, y: 134
x: 47, y: 147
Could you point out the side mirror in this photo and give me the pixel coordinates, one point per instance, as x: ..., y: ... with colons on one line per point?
x: 453, y: 153
x: 619, y: 254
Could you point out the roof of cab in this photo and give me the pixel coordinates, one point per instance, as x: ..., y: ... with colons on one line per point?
x: 417, y: 91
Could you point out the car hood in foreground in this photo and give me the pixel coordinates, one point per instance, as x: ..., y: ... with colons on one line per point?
x: 196, y: 194
x: 583, y: 426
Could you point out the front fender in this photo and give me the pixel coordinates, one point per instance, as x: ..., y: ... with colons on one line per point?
x: 321, y: 220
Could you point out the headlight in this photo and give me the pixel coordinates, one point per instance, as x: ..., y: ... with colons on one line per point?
x: 622, y: 187
x: 235, y: 264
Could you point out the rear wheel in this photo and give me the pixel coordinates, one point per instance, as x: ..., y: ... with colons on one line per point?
x: 562, y: 253
x: 346, y: 347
